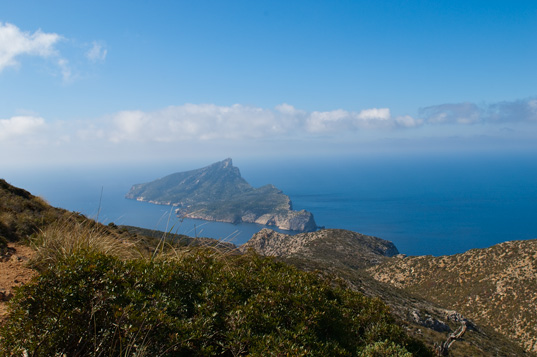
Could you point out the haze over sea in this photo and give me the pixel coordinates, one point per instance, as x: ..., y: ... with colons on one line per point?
x: 425, y: 205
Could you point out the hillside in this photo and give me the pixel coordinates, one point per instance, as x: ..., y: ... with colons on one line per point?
x: 349, y: 255
x: 108, y: 290
x: 219, y: 193
x: 22, y: 214
x: 494, y: 286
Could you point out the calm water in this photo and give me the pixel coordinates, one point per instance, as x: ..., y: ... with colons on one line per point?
x: 441, y: 205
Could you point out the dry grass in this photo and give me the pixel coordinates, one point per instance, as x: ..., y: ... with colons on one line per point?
x: 70, y: 235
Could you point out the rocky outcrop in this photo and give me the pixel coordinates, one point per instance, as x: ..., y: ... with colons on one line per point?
x: 301, y: 221
x: 329, y: 246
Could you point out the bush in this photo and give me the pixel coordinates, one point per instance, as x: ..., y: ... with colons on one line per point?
x: 385, y: 348
x: 199, y: 304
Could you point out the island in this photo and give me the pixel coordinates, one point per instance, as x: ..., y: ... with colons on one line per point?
x: 219, y: 193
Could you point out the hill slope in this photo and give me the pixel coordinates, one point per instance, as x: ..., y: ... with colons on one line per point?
x: 22, y: 214
x: 91, y: 299
x: 349, y: 254
x: 495, y: 286
x: 219, y: 193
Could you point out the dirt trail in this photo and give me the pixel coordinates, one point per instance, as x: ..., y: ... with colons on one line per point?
x: 14, y: 272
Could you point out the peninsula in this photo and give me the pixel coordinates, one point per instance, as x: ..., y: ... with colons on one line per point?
x: 219, y: 193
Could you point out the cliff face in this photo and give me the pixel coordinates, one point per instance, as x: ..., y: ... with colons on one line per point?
x: 219, y: 193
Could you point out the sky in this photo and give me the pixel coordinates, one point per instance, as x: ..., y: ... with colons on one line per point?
x: 137, y: 81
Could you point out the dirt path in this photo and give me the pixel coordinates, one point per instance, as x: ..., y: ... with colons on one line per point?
x: 14, y: 272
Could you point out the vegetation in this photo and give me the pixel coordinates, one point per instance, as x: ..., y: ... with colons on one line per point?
x: 494, y: 286
x: 71, y: 234
x: 103, y: 290
x: 197, y: 303
x: 346, y: 254
x: 108, y: 290
x: 22, y: 214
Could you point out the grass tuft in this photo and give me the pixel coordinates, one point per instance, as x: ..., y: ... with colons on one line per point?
x: 70, y: 235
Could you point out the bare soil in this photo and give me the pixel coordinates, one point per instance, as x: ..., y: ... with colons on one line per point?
x: 14, y: 272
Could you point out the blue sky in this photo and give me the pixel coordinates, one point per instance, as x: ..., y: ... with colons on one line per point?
x: 115, y: 81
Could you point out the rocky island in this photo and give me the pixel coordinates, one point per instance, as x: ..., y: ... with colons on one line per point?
x: 219, y: 193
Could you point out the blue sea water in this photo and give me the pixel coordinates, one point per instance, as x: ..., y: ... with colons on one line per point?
x: 425, y: 205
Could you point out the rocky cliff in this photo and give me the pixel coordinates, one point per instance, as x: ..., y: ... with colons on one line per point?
x: 219, y: 193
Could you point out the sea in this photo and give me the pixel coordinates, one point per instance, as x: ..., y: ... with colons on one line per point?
x: 426, y: 205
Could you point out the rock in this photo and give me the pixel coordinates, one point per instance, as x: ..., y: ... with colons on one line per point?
x: 331, y: 246
x: 428, y: 321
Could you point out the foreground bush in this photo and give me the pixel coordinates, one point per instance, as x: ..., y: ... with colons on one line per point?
x: 199, y: 304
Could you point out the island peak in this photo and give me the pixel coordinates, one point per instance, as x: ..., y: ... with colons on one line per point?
x: 219, y: 193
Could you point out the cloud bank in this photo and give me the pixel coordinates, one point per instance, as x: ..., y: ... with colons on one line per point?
x: 209, y: 122
x: 206, y: 122
x: 247, y: 128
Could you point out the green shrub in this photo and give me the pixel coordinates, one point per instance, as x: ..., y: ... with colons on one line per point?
x: 201, y: 304
x: 384, y: 349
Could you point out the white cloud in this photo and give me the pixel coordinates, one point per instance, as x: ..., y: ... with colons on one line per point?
x: 14, y: 43
x: 195, y: 122
x: 205, y: 122
x: 408, y: 122
x: 97, y: 52
x: 322, y: 122
x: 129, y: 125
x: 374, y: 114
x: 65, y: 69
x: 18, y: 126
x: 285, y: 108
